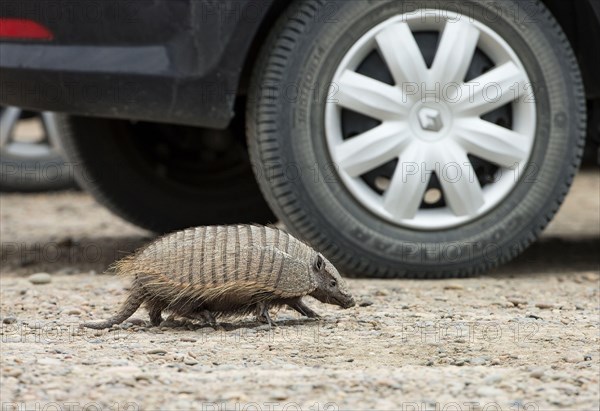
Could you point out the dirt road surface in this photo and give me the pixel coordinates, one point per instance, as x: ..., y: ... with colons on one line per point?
x: 525, y: 337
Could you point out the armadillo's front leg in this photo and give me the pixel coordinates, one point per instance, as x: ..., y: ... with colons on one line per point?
x: 209, y: 318
x: 262, y: 313
x: 302, y: 308
x: 203, y: 315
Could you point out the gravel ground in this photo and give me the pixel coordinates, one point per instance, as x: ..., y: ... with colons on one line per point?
x: 525, y: 337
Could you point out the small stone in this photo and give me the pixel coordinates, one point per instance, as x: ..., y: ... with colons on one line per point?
x: 143, y: 377
x: 591, y: 276
x: 187, y: 339
x: 12, y: 372
x: 279, y: 396
x: 492, y: 379
x: 382, y: 293
x: 489, y: 392
x: 537, y: 373
x: 496, y: 361
x: 9, y: 320
x: 517, y: 301
x: 587, y: 357
x: 572, y: 358
x: 40, y: 278
x: 190, y: 361
x: 544, y: 305
x: 365, y: 303
x: 158, y: 351
x: 49, y: 361
x: 71, y: 311
x: 478, y: 361
x: 453, y: 287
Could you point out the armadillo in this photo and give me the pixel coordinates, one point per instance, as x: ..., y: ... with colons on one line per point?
x: 211, y: 271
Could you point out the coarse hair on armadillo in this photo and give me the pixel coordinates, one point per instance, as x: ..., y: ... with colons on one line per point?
x: 227, y: 270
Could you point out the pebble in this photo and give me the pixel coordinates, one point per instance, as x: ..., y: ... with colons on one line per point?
x: 489, y: 392
x: 190, y: 361
x: 516, y: 301
x: 537, y: 373
x: 71, y: 311
x: 572, y: 358
x: 365, y: 303
x: 279, y: 396
x: 478, y: 361
x: 40, y: 278
x: 144, y: 377
x: 492, y: 379
x: 9, y: 320
x: 12, y: 372
x: 453, y: 287
x: 592, y: 277
x: 158, y: 351
x: 49, y: 361
x: 544, y: 305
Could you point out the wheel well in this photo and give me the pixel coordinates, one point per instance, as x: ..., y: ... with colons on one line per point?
x: 580, y: 20
x: 276, y: 9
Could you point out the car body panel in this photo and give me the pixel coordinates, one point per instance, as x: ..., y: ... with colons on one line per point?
x: 176, y: 61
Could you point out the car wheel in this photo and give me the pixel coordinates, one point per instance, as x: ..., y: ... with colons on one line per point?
x: 405, y: 140
x: 165, y: 177
x: 31, y: 160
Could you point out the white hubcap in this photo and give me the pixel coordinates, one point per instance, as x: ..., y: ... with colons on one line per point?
x: 431, y: 120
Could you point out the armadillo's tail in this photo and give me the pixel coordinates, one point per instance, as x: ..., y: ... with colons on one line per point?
x: 130, y: 306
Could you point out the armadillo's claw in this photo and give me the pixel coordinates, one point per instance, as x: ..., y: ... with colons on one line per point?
x: 209, y: 318
x: 262, y: 314
x: 303, y: 309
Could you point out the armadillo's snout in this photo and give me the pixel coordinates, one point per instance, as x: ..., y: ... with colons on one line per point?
x: 347, y: 301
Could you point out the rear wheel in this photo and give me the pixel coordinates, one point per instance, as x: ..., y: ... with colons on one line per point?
x: 30, y: 154
x: 424, y: 142
x: 166, y: 177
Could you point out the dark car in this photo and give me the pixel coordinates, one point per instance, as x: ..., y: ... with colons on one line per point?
x: 401, y: 138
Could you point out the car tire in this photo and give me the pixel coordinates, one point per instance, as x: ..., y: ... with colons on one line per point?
x: 296, y: 82
x: 34, y: 166
x: 158, y: 177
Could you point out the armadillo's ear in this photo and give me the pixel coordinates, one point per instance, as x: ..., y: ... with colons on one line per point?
x: 319, y: 263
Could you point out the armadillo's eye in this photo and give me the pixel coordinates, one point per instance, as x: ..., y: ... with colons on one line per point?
x: 333, y: 283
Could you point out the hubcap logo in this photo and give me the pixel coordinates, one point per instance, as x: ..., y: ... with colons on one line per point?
x: 430, y: 119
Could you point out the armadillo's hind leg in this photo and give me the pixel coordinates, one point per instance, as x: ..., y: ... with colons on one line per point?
x: 130, y: 306
x: 298, y: 305
x: 262, y: 313
x: 155, y: 315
